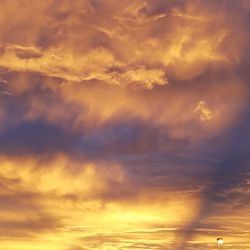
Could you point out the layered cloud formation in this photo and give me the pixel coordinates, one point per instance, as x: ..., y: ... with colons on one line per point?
x: 124, y: 124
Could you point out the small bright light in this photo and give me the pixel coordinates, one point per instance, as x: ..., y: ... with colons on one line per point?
x: 220, y: 241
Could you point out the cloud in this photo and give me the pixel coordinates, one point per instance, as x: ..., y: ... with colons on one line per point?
x: 128, y: 39
x: 36, y: 205
x: 124, y: 124
x: 206, y: 113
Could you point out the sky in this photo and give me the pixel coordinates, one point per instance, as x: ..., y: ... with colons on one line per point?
x: 124, y: 124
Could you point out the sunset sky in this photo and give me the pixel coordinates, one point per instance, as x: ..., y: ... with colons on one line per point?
x: 124, y: 124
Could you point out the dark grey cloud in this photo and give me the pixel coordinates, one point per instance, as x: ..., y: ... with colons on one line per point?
x: 228, y: 181
x: 29, y: 227
x: 33, y: 138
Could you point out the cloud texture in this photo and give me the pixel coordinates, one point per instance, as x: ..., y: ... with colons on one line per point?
x: 124, y: 124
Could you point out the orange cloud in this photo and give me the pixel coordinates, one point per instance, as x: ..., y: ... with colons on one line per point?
x: 53, y: 199
x: 206, y: 113
x: 123, y: 124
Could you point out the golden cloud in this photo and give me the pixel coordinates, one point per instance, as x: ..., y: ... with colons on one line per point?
x: 62, y: 195
x: 117, y: 123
